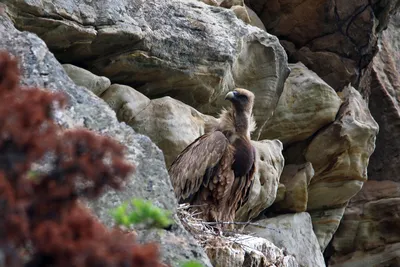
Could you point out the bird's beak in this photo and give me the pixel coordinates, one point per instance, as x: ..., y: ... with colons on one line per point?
x: 229, y: 96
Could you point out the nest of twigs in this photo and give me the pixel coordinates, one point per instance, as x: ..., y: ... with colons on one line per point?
x: 206, y: 233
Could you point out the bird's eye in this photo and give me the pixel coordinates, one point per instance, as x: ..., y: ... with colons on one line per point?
x: 242, y: 97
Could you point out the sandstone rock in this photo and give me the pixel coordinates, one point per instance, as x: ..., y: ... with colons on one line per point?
x: 391, y: 38
x: 335, y: 39
x: 243, y: 250
x: 385, y: 107
x: 241, y: 13
x: 325, y: 223
x: 389, y: 256
x: 269, y: 164
x: 254, y: 19
x: 82, y: 77
x: 294, y: 233
x: 306, y: 105
x: 151, y: 181
x: 296, y: 179
x: 280, y: 193
x: 368, y: 234
x: 216, y: 52
x: 125, y: 101
x: 340, y: 152
x: 171, y: 124
x: 251, y: 15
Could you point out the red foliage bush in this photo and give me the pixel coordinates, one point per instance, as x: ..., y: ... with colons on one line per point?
x: 42, y: 215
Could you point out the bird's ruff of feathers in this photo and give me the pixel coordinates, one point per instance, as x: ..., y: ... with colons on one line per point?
x: 226, y: 122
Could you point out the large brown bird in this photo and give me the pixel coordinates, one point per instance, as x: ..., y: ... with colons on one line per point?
x: 215, y: 172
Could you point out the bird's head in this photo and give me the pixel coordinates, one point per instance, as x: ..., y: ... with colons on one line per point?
x: 241, y: 99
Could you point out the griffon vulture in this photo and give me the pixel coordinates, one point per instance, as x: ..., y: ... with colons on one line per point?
x: 215, y: 172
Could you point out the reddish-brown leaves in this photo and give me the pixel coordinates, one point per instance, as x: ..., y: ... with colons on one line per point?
x: 43, y: 211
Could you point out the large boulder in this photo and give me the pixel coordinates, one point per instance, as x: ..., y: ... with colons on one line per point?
x: 335, y: 39
x: 305, y: 106
x: 294, y: 233
x: 40, y: 68
x: 184, y: 49
x: 340, y: 153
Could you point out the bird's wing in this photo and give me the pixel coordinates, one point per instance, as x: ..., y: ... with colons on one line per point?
x: 197, y: 163
x: 249, y: 179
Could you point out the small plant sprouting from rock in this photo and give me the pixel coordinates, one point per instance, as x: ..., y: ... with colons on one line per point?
x: 143, y: 213
x: 192, y: 264
x: 41, y: 220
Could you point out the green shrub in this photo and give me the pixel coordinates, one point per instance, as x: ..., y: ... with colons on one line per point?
x: 143, y: 213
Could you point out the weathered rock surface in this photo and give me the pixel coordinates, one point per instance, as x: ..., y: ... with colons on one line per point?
x: 216, y: 51
x: 340, y: 152
x: 170, y: 124
x: 384, y: 104
x: 325, y: 223
x: 369, y: 234
x: 296, y: 179
x: 244, y: 250
x: 305, y: 106
x: 336, y: 39
x: 294, y: 233
x: 391, y: 38
x: 151, y: 181
x: 269, y: 166
x: 125, y: 101
x: 82, y: 77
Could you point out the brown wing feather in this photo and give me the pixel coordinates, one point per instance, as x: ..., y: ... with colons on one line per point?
x: 249, y: 179
x: 188, y: 170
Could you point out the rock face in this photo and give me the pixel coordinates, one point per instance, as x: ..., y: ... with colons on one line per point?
x: 171, y: 124
x: 151, y: 181
x: 335, y: 39
x: 82, y: 77
x: 368, y: 234
x: 269, y: 166
x: 244, y: 250
x: 294, y: 233
x: 216, y: 51
x: 170, y: 62
x: 385, y: 107
x: 339, y: 153
x: 306, y: 105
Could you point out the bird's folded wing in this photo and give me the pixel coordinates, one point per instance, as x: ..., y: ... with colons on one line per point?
x: 188, y: 171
